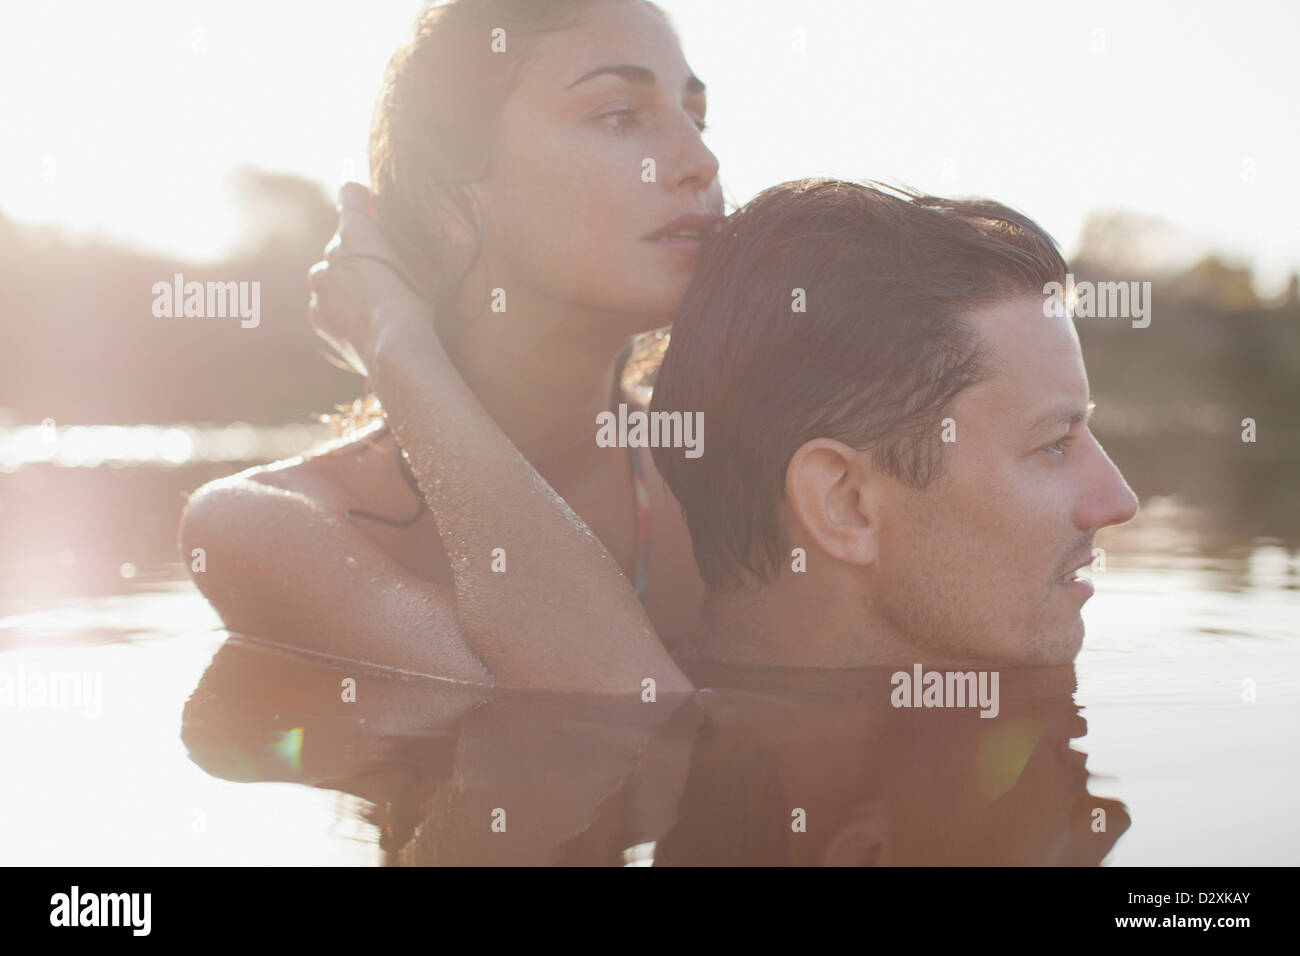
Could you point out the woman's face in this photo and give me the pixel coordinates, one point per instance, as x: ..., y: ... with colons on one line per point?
x: 570, y: 200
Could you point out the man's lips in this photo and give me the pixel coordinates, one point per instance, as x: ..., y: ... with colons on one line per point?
x: 1078, y: 565
x: 1076, y: 582
x: 1070, y: 576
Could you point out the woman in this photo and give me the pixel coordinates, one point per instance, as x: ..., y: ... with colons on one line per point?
x: 528, y: 159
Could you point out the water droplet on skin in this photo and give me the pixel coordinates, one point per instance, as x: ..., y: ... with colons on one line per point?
x: 352, y: 562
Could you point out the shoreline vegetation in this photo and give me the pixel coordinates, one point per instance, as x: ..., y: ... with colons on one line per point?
x: 88, y: 350
x: 91, y: 351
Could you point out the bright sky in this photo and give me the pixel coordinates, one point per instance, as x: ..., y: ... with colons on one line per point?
x: 124, y: 119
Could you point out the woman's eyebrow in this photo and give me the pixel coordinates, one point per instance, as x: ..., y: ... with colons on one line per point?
x: 636, y: 74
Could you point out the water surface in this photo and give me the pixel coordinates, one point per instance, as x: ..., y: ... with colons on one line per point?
x: 1179, y: 720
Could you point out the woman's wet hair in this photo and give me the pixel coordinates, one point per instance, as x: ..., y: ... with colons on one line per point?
x: 874, y: 360
x: 435, y: 125
x: 434, y: 134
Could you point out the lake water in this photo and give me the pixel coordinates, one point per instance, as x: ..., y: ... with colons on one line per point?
x: 176, y: 745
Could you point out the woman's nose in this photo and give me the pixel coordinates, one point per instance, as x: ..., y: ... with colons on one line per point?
x: 698, y: 165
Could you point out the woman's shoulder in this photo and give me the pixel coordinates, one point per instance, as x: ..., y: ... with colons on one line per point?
x: 362, y: 479
x: 342, y: 461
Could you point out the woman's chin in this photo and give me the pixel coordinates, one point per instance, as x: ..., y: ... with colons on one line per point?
x: 652, y: 310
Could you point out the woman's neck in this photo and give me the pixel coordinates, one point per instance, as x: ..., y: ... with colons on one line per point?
x: 542, y: 370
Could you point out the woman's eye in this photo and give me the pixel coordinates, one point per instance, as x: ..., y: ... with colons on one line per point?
x: 626, y: 118
x: 618, y: 115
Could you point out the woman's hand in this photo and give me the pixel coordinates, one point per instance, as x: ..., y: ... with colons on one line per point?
x: 359, y: 290
x: 565, y: 618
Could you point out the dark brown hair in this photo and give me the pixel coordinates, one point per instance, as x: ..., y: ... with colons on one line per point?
x: 434, y: 133
x: 876, y: 359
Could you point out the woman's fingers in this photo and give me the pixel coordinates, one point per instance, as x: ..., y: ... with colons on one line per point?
x: 359, y: 271
x: 357, y: 230
x: 356, y: 234
x: 333, y: 300
x: 335, y: 250
x: 359, y: 234
x: 356, y: 196
x: 315, y: 275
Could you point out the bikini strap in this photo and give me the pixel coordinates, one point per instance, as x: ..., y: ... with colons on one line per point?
x: 642, y: 524
x: 641, y: 577
x: 408, y: 476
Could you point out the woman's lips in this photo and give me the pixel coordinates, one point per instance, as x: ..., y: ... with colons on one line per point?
x: 683, y: 244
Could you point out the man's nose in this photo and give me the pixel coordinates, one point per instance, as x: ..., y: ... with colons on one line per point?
x: 1108, y: 499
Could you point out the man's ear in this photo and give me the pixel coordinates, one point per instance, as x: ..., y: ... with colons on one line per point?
x: 828, y: 490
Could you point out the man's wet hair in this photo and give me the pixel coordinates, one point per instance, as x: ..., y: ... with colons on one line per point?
x: 876, y: 360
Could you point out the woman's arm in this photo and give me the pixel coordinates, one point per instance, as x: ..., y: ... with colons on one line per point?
x: 562, y: 616
x: 281, y: 561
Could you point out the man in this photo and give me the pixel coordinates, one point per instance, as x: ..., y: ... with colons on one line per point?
x: 899, y: 465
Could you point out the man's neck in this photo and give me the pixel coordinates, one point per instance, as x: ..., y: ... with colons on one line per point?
x: 792, y: 623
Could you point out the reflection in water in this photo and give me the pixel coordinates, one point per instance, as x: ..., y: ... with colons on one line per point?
x: 1196, y: 606
x: 765, y: 767
x: 86, y: 508
x: 89, y: 446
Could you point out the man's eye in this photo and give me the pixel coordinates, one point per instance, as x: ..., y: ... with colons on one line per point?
x: 1058, y: 447
x: 629, y: 114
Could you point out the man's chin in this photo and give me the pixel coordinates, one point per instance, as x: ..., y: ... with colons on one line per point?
x: 1047, y: 649
x: 1065, y: 646
x: 1041, y: 646
x: 1074, y: 636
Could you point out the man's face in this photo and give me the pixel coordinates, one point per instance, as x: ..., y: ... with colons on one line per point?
x: 974, y: 565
